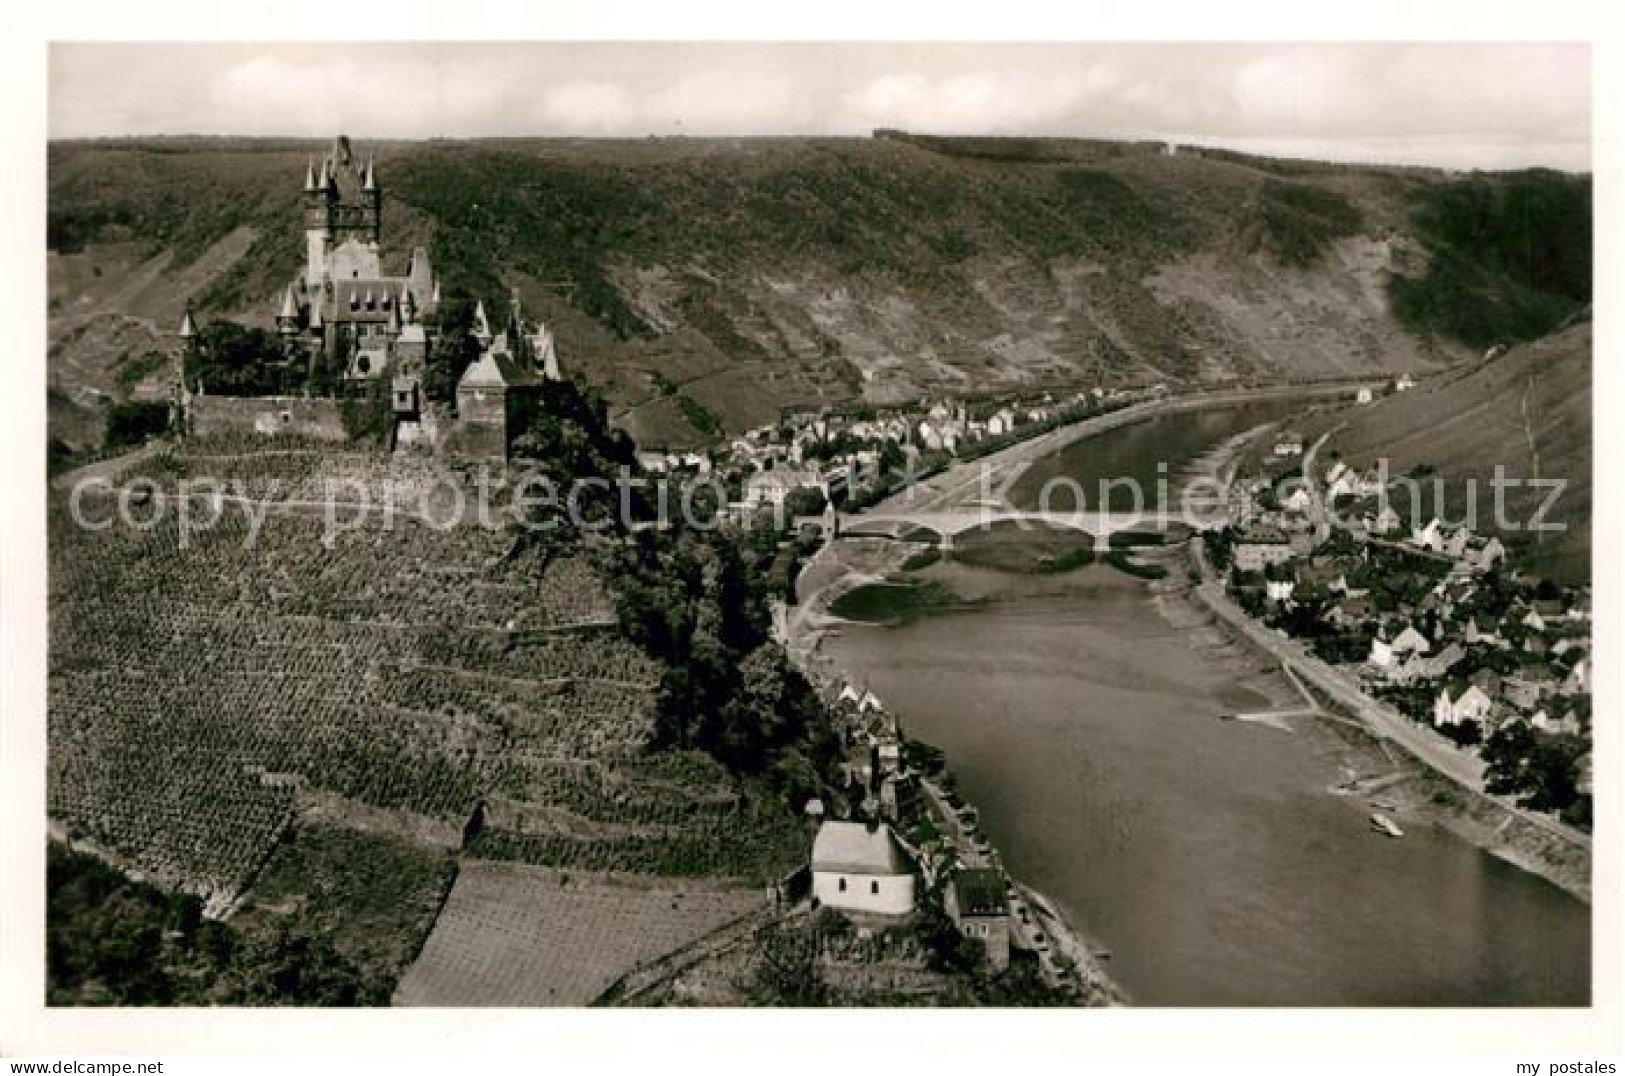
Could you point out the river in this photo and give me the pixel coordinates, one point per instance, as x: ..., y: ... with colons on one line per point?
x: 1208, y: 856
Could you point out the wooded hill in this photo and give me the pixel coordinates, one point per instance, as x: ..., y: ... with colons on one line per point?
x: 709, y: 283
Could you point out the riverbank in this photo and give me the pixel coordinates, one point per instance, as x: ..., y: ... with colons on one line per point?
x: 1409, y: 785
x: 1324, y: 772
x: 842, y: 566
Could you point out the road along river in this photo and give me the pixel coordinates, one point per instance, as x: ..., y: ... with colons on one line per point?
x: 1081, y: 711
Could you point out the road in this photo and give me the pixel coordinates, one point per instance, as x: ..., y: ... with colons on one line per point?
x: 1002, y: 468
x: 1463, y: 767
x: 1319, y: 515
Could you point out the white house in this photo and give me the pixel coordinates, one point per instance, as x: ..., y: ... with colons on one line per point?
x: 1404, y: 382
x: 772, y: 489
x: 1298, y: 500
x: 1429, y: 537
x: 1363, y: 396
x: 1578, y: 680
x: 860, y: 868
x: 1387, y: 521
x: 1471, y: 705
x: 1410, y: 641
x: 1278, y: 590
x: 1568, y: 724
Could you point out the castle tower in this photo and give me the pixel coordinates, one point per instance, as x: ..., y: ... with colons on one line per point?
x: 343, y: 201
x: 320, y: 195
x: 181, y: 398
x: 287, y: 319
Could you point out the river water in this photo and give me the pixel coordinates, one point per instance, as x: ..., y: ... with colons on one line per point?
x: 1207, y: 856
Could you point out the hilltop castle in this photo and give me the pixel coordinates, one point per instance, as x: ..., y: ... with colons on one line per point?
x: 343, y: 310
x: 341, y: 304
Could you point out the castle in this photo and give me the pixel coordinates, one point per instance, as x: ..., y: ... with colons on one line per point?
x: 342, y: 309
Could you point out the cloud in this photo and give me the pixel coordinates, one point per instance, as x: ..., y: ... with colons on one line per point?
x: 1494, y: 105
x: 587, y: 107
x: 991, y: 101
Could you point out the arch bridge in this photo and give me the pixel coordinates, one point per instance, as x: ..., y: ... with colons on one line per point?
x: 950, y: 522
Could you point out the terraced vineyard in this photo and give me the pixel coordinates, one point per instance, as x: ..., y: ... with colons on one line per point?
x: 203, y: 698
x: 512, y: 934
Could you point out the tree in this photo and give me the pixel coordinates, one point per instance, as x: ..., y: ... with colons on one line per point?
x: 787, y: 971
x: 233, y: 360
x: 133, y: 423
x: 452, y: 349
x: 805, y: 501
x: 1542, y: 771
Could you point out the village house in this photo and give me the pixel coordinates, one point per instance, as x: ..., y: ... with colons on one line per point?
x: 862, y: 868
x: 1386, y: 521
x: 1471, y: 703
x: 1482, y: 630
x: 977, y: 904
x: 1351, y: 612
x: 1387, y: 654
x: 1483, y: 556
x: 1261, y: 547
x: 1278, y: 590
x: 1289, y: 444
x: 1430, y: 537
x: 1565, y: 725
x: 773, y: 488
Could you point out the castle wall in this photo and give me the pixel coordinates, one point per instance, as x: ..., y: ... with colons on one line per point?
x: 267, y: 415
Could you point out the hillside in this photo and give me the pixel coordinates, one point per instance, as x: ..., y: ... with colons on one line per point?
x: 708, y: 284
x: 1527, y: 409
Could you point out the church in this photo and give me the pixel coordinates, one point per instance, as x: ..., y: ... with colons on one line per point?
x: 343, y: 309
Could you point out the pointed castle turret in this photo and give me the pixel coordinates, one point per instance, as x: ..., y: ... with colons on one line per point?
x: 287, y: 319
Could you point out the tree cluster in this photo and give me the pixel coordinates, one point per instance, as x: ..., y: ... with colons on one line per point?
x: 112, y: 941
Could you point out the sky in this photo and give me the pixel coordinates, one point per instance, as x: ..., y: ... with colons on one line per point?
x: 1483, y: 105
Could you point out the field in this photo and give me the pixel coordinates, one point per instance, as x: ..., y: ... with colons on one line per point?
x: 518, y: 935
x: 434, y: 686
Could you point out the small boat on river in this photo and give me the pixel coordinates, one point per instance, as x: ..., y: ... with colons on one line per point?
x: 1385, y: 825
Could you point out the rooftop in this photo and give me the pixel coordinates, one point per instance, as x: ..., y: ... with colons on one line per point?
x: 854, y: 848
x: 979, y: 891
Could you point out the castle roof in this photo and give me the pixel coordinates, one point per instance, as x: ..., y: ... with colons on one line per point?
x: 188, y: 330
x: 497, y: 369
x: 290, y: 309
x: 365, y: 301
